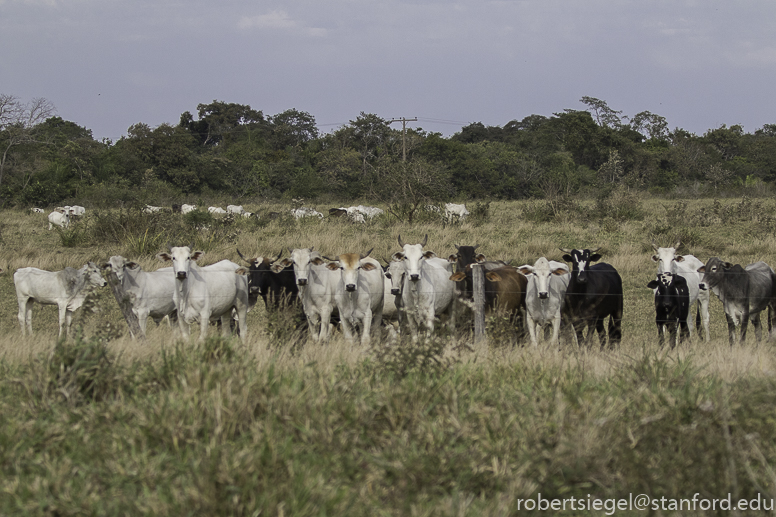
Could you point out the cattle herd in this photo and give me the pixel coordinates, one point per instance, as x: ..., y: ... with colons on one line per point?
x: 412, y: 292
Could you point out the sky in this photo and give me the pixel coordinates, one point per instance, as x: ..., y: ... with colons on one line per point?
x: 109, y: 64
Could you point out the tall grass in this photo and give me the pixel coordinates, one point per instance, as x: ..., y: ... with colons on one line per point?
x: 100, y: 424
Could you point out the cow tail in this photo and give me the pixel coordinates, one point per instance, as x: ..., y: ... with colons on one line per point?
x: 698, y: 317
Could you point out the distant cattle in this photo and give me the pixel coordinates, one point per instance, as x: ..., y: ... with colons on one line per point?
x: 359, y: 294
x: 66, y: 289
x: 76, y: 210
x: 686, y: 266
x: 672, y: 306
x: 455, y: 211
x: 216, y: 210
x: 37, y: 210
x: 185, y: 209
x: 744, y: 293
x: 357, y: 214
x: 59, y: 217
x: 235, y: 209
x: 151, y: 293
x: 299, y: 213
x: 594, y: 293
x: 548, y: 281
x: 149, y: 209
x: 207, y: 293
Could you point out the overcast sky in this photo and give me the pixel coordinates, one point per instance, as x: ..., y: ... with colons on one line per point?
x: 108, y: 64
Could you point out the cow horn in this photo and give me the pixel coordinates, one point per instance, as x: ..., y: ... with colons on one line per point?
x: 289, y: 250
x: 241, y: 256
x: 365, y: 255
x: 169, y: 247
x: 593, y: 250
x: 191, y: 246
x: 475, y: 247
x: 425, y: 240
x: 566, y: 250
x: 456, y: 246
x: 654, y: 246
x: 401, y: 242
x: 678, y: 243
x: 279, y: 255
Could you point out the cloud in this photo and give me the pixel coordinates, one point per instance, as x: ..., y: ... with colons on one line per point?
x: 278, y: 20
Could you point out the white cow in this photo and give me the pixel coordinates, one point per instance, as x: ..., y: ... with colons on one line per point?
x: 77, y: 210
x: 359, y: 294
x: 454, y: 211
x: 216, y: 210
x: 298, y: 213
x: 66, y: 289
x: 235, y: 209
x: 59, y: 217
x: 185, y: 209
x: 247, y: 215
x: 37, y: 210
x: 151, y: 293
x: 686, y: 266
x: 544, y: 295
x: 353, y: 214
x: 317, y: 284
x: 207, y: 293
x: 427, y: 290
x: 370, y: 212
x: 152, y: 209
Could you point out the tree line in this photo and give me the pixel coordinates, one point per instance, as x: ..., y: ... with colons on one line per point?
x: 234, y: 150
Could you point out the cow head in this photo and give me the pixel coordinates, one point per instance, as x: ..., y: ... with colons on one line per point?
x: 117, y: 264
x: 667, y: 258
x: 350, y: 264
x: 714, y: 271
x: 303, y: 259
x: 413, y: 257
x: 465, y: 256
x: 181, y: 258
x: 580, y: 260
x: 93, y: 275
x: 541, y: 272
x: 395, y: 273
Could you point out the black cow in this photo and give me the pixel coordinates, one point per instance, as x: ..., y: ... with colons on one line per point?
x: 594, y: 292
x: 672, y: 306
x: 464, y: 257
x: 274, y: 288
x: 744, y: 293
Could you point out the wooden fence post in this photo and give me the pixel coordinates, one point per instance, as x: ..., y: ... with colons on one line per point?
x: 478, y: 281
x: 126, y: 308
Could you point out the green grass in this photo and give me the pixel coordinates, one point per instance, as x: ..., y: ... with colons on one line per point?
x: 101, y: 425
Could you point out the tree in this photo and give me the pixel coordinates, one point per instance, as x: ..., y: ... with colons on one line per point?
x: 369, y: 131
x: 292, y: 128
x: 602, y: 113
x: 408, y: 186
x: 220, y: 122
x: 17, y: 123
x: 650, y: 125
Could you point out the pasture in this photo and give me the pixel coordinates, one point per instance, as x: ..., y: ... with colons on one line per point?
x: 105, y: 425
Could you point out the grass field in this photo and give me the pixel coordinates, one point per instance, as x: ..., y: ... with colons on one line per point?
x: 103, y: 425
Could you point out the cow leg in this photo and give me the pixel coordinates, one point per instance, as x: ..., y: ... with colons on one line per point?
x: 660, y: 332
x: 312, y: 326
x: 684, y: 332
x: 758, y: 333
x: 25, y: 315
x: 672, y: 327
x: 142, y: 320
x: 366, y: 328
x: 554, y: 340
x: 731, y: 329
x: 599, y: 328
x: 744, y: 326
x: 703, y: 302
x: 325, y: 321
x: 532, y: 328
x: 226, y: 325
x: 62, y: 318
x: 346, y: 319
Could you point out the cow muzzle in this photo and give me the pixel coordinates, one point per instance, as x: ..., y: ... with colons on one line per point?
x: 301, y: 281
x: 414, y: 278
x: 395, y: 292
x: 350, y: 288
x: 181, y: 275
x: 544, y: 296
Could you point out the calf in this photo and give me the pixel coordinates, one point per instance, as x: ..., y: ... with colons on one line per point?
x: 686, y: 266
x: 66, y: 289
x: 672, y: 306
x: 744, y: 293
x: 59, y: 217
x: 463, y: 258
x: 505, y: 289
x: 275, y: 288
x: 594, y: 293
x: 548, y: 281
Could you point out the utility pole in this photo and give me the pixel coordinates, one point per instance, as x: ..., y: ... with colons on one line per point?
x: 403, y: 134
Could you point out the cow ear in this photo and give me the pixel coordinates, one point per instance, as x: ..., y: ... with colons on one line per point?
x: 568, y: 258
x: 653, y: 284
x: 277, y: 268
x: 105, y: 265
x: 164, y: 257
x: 560, y: 271
x: 368, y: 266
x: 132, y: 265
x: 526, y: 270
x: 480, y: 258
x: 398, y: 256
x: 595, y: 257
x: 727, y: 265
x: 701, y: 269
x: 655, y: 258
x: 317, y: 261
x: 457, y: 277
x: 241, y: 271
x: 429, y: 255
x: 452, y: 258
x: 493, y: 277
x: 197, y: 255
x: 679, y: 258
x: 333, y: 266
